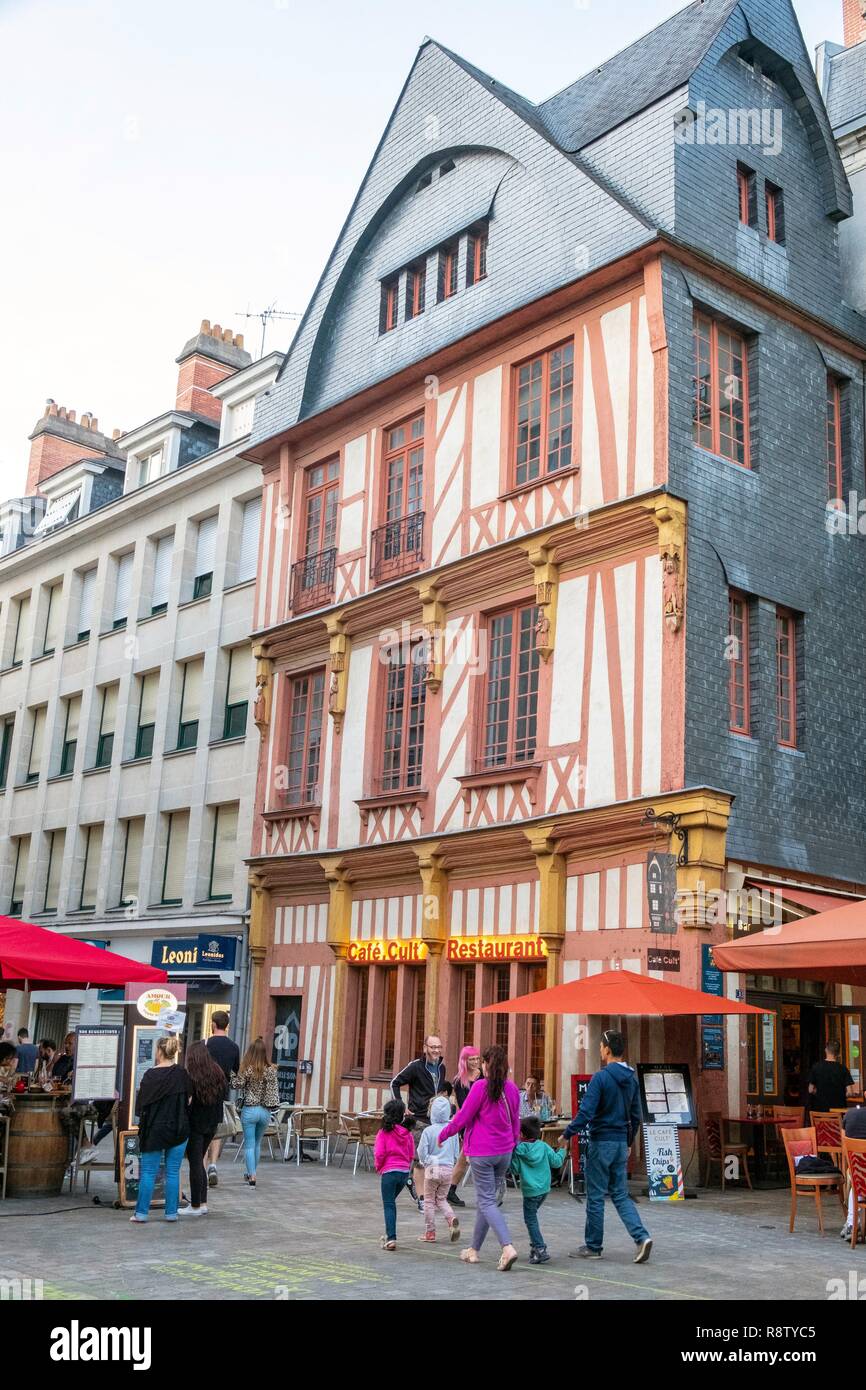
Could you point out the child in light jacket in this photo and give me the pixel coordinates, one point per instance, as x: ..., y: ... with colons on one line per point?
x: 532, y: 1162
x: 438, y: 1162
x: 394, y: 1154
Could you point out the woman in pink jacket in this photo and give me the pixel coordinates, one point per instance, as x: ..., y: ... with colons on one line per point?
x: 394, y: 1155
x: 490, y: 1121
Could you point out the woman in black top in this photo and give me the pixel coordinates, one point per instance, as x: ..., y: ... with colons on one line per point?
x: 209, y: 1090
x: 163, y: 1127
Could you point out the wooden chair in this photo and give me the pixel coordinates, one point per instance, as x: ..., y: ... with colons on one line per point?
x: 368, y: 1128
x: 310, y: 1126
x: 4, y: 1153
x: 803, y: 1141
x: 774, y: 1147
x: 718, y: 1148
x: 828, y: 1137
x: 854, y: 1151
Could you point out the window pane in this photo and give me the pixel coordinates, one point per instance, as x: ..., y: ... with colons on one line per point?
x: 175, y: 857
x: 92, y: 857
x: 224, y: 851
x: 129, y: 889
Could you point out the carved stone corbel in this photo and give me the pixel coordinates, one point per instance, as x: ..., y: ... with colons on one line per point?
x: 339, y: 648
x: 264, y: 688
x: 669, y: 514
x: 433, y: 615
x: 546, y: 577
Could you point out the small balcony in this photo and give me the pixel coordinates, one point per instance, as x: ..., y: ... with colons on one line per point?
x: 397, y: 548
x: 313, y: 580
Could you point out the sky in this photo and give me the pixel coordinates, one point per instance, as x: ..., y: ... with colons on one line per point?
x: 186, y: 159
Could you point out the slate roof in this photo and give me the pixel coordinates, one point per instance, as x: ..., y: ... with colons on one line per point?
x: 635, y: 78
x: 846, y: 91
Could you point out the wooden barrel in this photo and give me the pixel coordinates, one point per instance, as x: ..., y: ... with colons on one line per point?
x: 38, y: 1147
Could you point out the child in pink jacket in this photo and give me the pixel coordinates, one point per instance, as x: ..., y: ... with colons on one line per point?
x: 394, y: 1155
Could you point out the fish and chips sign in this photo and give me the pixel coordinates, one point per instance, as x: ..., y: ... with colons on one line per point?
x: 664, y: 1165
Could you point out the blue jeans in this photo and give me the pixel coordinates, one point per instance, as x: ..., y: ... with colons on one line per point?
x: 393, y: 1183
x: 150, y: 1162
x: 606, y: 1162
x: 254, y: 1121
x: 530, y: 1216
x: 488, y: 1174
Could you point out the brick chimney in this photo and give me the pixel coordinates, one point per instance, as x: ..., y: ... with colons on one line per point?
x: 58, y: 439
x: 854, y: 21
x: 212, y: 355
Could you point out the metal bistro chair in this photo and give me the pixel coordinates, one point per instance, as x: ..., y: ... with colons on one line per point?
x: 310, y: 1126
x: 802, y: 1141
x: 271, y: 1133
x: 105, y: 1165
x: 368, y: 1128
x: 350, y: 1133
x: 855, y: 1159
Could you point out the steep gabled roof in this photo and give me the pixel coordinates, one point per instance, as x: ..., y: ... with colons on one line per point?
x: 846, y: 89
x: 636, y: 77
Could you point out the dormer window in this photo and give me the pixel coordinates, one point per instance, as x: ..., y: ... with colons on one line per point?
x: 775, y: 213
x: 424, y: 182
x: 150, y: 467
x: 476, y: 254
x: 748, y: 196
x: 388, y: 304
x: 416, y: 284
x: 448, y: 259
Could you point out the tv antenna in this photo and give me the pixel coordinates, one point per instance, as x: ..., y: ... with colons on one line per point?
x: 264, y: 316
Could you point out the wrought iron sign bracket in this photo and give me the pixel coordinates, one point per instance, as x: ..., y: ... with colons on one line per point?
x: 671, y: 821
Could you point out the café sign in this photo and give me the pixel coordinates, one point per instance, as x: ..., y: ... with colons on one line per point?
x: 467, y: 949
x: 386, y: 952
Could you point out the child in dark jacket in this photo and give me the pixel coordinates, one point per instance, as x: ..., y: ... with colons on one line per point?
x: 533, y: 1162
x: 394, y: 1154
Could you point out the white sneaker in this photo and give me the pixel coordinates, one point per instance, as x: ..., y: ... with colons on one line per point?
x: 192, y: 1211
x: 87, y: 1155
x: 845, y: 1233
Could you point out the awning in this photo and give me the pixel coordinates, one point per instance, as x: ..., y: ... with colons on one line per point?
x: 616, y: 992
x: 809, y: 898
x: 829, y: 946
x: 32, y: 957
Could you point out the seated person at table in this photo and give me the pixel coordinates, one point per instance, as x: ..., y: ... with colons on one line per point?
x: 45, y: 1060
x: 854, y: 1127
x: 8, y: 1066
x: 830, y: 1083
x: 26, y: 1052
x: 61, y: 1067
x: 534, y: 1100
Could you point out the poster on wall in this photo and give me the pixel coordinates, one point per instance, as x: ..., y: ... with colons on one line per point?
x: 661, y: 891
x: 144, y: 1040
x: 712, y: 1048
x: 664, y: 1165
x: 96, y: 1069
x: 287, y: 1036
x: 666, y: 1094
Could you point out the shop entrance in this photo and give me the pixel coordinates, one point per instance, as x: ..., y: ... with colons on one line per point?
x: 784, y: 1043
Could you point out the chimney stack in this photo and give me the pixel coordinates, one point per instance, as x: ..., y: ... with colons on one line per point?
x: 59, y: 439
x: 854, y: 21
x: 212, y: 355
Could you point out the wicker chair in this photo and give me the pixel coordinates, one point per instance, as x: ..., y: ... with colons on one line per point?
x: 310, y: 1126
x: 803, y: 1141
x: 368, y: 1128
x: 719, y: 1148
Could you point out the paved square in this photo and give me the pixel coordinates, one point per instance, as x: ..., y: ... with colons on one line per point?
x: 313, y: 1233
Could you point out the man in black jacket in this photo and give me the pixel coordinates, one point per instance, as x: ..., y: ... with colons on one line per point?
x: 425, y: 1077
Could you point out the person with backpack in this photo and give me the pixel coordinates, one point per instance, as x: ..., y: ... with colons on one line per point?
x: 611, y: 1111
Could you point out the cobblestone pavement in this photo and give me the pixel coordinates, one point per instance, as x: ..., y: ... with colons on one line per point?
x: 313, y: 1233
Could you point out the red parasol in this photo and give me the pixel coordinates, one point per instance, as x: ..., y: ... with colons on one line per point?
x: 620, y: 992
x: 33, y: 958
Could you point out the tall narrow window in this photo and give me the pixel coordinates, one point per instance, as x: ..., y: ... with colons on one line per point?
x: 389, y: 1032
x: 747, y: 194
x: 223, y: 852
x: 56, y: 845
x: 249, y: 553
x: 738, y: 657
x: 70, y: 735
x: 360, y: 1049
x: 775, y: 213
x: 8, y: 729
x: 162, y: 557
x: 476, y: 254
x: 537, y: 979
x: 416, y: 289
x: 52, y: 620
x: 468, y: 1006
x: 205, y: 550
x: 148, y: 691
x: 122, y: 589
x: 175, y: 858
x: 834, y: 440
x: 543, y: 391
x: 85, y: 603
x: 388, y: 304
x: 419, y: 1031
x: 107, y: 725
x: 130, y: 874
x: 447, y: 274
x: 306, y: 695
x: 190, y: 704
x: 37, y: 741
x: 721, y: 397
x: 405, y: 694
x: 501, y: 994
x: 22, y: 617
x: 786, y: 678
x: 90, y: 876
x: 19, y: 878
x: 322, y: 498
x: 238, y: 692
x: 397, y: 546
x: 511, y: 697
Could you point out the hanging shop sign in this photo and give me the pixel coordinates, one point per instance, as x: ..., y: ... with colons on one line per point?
x: 386, y: 952
x: 466, y: 949
x: 661, y: 891
x: 154, y: 1002
x: 664, y: 1166
x: 662, y: 960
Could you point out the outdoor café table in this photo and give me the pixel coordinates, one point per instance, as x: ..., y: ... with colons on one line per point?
x: 759, y: 1124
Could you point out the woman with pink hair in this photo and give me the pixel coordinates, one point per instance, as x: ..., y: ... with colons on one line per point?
x: 468, y: 1072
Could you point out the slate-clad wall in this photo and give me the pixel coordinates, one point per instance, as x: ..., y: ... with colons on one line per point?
x: 763, y: 531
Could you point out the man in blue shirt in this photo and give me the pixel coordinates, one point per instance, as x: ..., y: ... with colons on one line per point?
x: 27, y: 1051
x: 611, y: 1110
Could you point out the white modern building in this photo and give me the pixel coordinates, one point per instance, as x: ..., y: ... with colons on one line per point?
x: 127, y: 746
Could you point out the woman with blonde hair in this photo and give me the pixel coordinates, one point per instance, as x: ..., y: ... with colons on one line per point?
x: 258, y: 1100
x: 163, y: 1127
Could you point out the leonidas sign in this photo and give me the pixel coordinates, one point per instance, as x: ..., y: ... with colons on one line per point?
x: 489, y: 948
x: 386, y: 952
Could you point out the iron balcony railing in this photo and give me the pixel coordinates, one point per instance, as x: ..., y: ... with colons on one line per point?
x: 397, y: 547
x: 313, y: 580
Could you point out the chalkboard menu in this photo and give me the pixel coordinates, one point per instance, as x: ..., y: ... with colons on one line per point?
x: 130, y: 1172
x: 666, y: 1094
